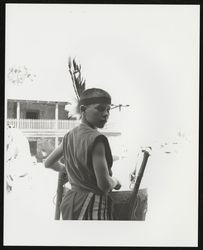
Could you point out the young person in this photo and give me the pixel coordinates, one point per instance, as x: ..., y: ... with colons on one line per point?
x: 88, y: 162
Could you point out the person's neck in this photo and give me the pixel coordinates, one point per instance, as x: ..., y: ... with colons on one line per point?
x: 88, y: 124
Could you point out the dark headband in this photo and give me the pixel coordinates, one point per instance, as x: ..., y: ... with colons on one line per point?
x: 93, y: 100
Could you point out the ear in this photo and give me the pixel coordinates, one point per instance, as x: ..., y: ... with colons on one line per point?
x: 82, y: 108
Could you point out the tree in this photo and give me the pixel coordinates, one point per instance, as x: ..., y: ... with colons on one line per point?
x: 18, y: 74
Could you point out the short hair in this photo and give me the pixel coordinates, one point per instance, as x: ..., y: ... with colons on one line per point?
x: 94, y: 92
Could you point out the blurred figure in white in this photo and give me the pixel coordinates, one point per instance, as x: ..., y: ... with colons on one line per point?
x: 18, y: 159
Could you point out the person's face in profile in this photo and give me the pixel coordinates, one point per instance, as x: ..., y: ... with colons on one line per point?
x: 97, y: 114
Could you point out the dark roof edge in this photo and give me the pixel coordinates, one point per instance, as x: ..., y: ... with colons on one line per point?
x: 37, y: 101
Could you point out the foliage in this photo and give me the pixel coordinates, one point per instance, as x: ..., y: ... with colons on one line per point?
x: 18, y: 74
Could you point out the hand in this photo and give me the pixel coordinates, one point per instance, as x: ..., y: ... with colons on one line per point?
x: 118, y: 185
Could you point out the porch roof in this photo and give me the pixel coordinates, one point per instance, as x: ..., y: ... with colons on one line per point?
x: 38, y: 101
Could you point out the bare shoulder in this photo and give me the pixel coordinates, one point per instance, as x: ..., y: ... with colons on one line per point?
x: 99, y: 148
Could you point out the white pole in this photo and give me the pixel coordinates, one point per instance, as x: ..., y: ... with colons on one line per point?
x: 56, y: 124
x: 18, y: 113
x: 56, y: 141
x: 56, y: 115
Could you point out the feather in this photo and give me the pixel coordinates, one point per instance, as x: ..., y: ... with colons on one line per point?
x: 78, y: 82
x: 74, y: 64
x: 69, y: 63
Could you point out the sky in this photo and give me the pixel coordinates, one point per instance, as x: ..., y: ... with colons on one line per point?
x: 146, y: 56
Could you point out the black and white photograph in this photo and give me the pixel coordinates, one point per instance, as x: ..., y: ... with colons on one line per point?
x: 101, y: 125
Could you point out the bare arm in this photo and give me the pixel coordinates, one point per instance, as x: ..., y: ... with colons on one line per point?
x: 53, y: 158
x: 104, y: 181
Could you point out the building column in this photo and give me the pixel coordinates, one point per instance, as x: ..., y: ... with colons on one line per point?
x: 56, y: 114
x: 18, y: 114
x: 56, y: 123
x: 56, y: 141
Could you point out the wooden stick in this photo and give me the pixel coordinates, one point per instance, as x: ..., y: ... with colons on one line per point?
x: 133, y: 199
x: 59, y: 194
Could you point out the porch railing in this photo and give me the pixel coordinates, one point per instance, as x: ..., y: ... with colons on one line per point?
x: 42, y: 124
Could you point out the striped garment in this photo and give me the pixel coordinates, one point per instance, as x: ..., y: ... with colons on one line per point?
x: 97, y: 207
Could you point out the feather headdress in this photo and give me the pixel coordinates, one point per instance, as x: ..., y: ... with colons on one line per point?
x: 79, y: 85
x: 78, y: 81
